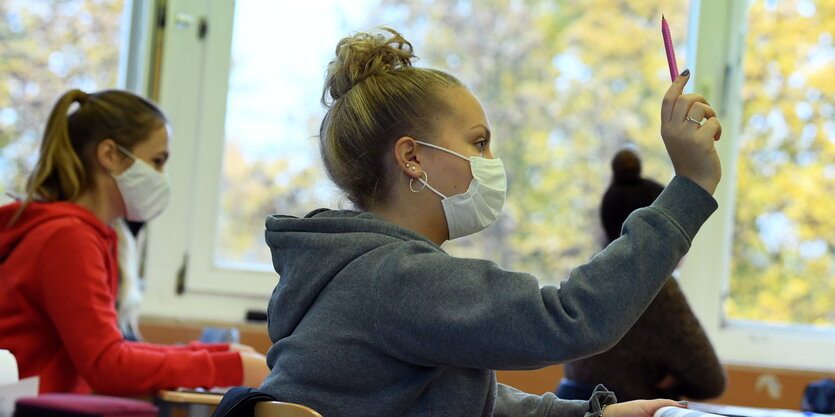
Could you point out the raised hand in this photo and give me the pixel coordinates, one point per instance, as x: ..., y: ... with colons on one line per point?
x: 689, y: 141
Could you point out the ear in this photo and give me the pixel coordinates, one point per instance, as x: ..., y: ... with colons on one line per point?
x: 109, y: 157
x: 406, y: 156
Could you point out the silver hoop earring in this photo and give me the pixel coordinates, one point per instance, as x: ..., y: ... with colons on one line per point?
x: 411, y: 182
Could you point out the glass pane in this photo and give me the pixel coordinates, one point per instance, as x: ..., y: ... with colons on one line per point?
x: 271, y: 158
x: 49, y: 47
x: 784, y: 258
x: 560, y: 101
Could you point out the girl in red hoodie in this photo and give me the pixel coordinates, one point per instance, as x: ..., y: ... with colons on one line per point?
x: 58, y: 268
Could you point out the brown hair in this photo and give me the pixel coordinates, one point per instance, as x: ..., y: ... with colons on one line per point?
x: 67, y: 157
x: 374, y: 96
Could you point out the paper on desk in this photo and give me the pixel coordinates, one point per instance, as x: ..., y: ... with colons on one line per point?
x: 199, y: 390
x: 9, y: 393
x: 8, y: 367
x: 731, y: 410
x: 680, y: 412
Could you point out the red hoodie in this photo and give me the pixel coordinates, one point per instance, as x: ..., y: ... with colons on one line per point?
x: 58, y: 286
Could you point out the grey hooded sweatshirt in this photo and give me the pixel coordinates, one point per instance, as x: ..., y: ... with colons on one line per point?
x: 372, y: 319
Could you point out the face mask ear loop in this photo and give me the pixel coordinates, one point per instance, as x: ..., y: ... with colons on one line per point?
x: 126, y: 152
x: 444, y: 149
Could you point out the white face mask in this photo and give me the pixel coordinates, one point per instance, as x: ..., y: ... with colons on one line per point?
x: 145, y: 190
x: 478, y: 207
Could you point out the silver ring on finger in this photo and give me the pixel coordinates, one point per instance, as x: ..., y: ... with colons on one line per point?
x: 692, y: 120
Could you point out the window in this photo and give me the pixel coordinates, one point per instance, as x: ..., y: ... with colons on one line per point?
x: 561, y: 104
x: 271, y: 159
x: 730, y: 246
x: 565, y: 85
x: 784, y: 252
x: 48, y: 48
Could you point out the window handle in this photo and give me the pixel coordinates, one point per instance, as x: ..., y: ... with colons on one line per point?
x: 182, y: 21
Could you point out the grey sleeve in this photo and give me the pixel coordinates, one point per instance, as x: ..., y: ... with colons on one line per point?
x: 510, y: 402
x: 432, y: 309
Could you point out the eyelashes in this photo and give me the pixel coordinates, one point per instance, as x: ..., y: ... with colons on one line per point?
x: 482, y: 144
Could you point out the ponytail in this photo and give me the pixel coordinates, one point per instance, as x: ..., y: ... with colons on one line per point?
x: 59, y: 174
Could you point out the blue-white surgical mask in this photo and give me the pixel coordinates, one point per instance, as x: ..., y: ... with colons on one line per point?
x: 479, y: 206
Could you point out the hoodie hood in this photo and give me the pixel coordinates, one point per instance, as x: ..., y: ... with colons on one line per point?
x: 36, y: 214
x: 299, y: 246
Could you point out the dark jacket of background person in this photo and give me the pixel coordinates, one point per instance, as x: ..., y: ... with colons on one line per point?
x: 667, y: 342
x: 371, y: 318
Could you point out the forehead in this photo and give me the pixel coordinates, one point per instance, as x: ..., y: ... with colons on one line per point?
x: 466, y: 110
x: 157, y: 142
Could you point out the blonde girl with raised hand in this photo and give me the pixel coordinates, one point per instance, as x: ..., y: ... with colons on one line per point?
x: 102, y: 157
x: 372, y: 317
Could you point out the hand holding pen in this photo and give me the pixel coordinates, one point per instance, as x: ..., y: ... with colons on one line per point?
x: 689, y: 143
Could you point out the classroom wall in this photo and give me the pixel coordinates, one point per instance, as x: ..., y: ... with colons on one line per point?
x: 748, y: 386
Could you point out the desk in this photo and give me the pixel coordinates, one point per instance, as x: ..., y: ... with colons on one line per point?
x: 198, y: 404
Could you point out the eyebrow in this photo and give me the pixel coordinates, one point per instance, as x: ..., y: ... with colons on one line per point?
x: 483, y: 127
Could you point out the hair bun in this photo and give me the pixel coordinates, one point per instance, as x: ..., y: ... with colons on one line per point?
x: 626, y: 167
x: 365, y: 55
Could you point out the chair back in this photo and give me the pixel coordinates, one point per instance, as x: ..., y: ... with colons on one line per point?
x: 281, y: 409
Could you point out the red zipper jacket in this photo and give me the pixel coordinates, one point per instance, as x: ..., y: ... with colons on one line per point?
x: 58, y: 286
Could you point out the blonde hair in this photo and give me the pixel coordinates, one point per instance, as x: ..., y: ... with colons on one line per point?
x: 67, y: 156
x: 374, y: 96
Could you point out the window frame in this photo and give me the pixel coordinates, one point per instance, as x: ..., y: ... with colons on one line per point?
x: 706, y: 274
x: 193, y: 82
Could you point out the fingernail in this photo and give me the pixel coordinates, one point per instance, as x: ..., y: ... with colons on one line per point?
x: 685, y: 73
x: 684, y: 403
